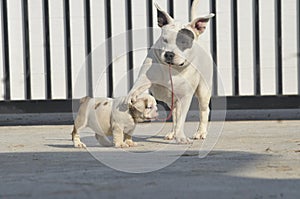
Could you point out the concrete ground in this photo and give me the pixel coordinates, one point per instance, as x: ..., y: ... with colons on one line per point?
x: 252, y: 159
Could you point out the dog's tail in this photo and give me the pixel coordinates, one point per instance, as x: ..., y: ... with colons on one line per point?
x: 194, y: 9
x: 84, y: 99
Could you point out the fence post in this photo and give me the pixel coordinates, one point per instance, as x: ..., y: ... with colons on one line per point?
x: 5, y: 39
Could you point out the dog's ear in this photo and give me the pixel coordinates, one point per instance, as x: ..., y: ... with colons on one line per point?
x: 199, y: 24
x: 140, y: 105
x: 163, y: 18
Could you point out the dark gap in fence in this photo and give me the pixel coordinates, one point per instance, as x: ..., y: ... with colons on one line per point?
x: 68, y: 53
x: 47, y: 52
x: 189, y: 9
x: 108, y: 27
x: 214, y: 49
x: 233, y: 103
x: 150, y: 22
x: 278, y: 46
x: 256, y: 47
x: 171, y: 7
x: 88, y: 49
x: 235, y: 48
x: 5, y: 47
x: 298, y: 33
x: 26, y: 51
x: 129, y: 43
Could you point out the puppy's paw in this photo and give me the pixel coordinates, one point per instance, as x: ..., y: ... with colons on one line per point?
x: 170, y: 136
x: 121, y: 145
x: 76, y: 142
x: 79, y: 144
x: 199, y: 136
x: 183, y: 140
x: 130, y: 143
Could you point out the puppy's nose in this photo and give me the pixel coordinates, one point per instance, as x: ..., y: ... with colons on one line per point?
x: 169, y: 56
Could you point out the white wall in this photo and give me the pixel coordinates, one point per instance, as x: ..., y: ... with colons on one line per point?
x: 224, y: 45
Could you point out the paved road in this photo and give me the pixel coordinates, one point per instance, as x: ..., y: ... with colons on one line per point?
x: 254, y: 160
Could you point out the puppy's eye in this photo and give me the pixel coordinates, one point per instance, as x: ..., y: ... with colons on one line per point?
x: 165, y: 40
x: 149, y: 107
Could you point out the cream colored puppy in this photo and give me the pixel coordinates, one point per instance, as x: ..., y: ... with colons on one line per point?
x: 113, y: 117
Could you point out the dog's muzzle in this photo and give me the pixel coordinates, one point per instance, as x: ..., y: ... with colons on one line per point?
x: 169, y: 59
x: 169, y: 56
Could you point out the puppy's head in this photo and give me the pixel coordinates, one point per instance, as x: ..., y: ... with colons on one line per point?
x: 177, y: 40
x: 144, y: 108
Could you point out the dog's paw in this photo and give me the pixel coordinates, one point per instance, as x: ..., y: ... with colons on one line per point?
x: 76, y: 141
x: 199, y: 136
x: 130, y: 143
x: 121, y: 145
x: 170, y: 136
x: 183, y: 140
x: 78, y: 144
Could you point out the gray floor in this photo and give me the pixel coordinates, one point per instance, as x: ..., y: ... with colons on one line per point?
x: 250, y: 160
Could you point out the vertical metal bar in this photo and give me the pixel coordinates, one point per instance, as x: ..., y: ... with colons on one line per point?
x: 214, y: 49
x: 256, y: 47
x: 68, y: 50
x: 171, y: 7
x: 109, y: 47
x: 6, y: 62
x: 47, y: 52
x: 150, y: 22
x: 298, y: 33
x: 278, y: 46
x: 129, y: 43
x: 88, y: 48
x: 235, y: 46
x: 26, y: 50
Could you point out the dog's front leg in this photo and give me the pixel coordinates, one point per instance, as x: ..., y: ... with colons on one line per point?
x: 128, y: 140
x: 118, y: 137
x: 203, y: 94
x: 182, y: 108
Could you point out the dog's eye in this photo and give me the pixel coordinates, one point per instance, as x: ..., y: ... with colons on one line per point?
x: 165, y: 40
x: 184, y: 43
x: 149, y: 107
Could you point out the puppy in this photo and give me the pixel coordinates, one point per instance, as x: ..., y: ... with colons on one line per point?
x: 113, y: 117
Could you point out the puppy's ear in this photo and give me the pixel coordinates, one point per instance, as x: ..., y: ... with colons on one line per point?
x: 199, y: 24
x: 163, y: 18
x: 140, y: 105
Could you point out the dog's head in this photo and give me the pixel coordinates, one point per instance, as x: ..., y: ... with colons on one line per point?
x: 144, y: 108
x: 177, y: 40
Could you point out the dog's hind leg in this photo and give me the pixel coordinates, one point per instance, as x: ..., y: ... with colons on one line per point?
x: 80, y: 122
x: 76, y: 139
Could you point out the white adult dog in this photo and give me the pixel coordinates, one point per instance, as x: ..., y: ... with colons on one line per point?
x: 192, y: 70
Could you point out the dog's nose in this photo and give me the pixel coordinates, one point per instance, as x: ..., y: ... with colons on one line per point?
x: 169, y: 56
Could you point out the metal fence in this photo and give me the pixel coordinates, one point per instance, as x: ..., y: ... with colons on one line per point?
x: 255, y: 44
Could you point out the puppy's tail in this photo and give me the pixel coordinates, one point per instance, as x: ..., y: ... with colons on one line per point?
x: 84, y: 99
